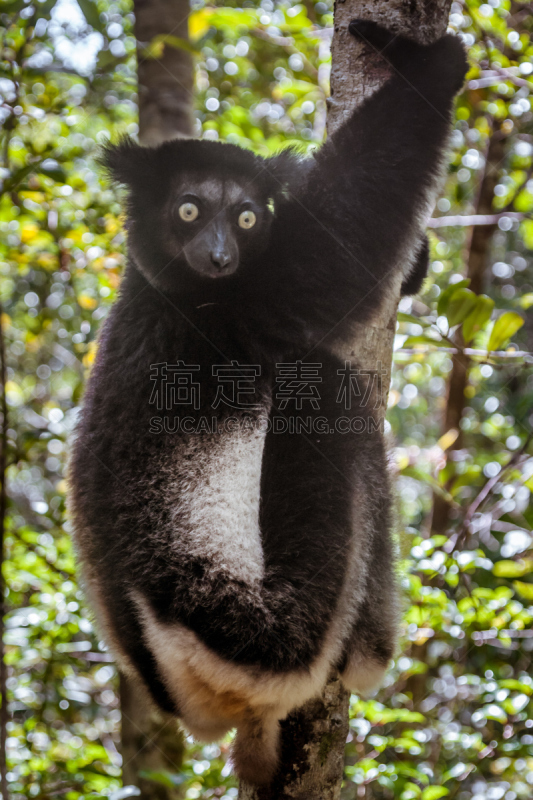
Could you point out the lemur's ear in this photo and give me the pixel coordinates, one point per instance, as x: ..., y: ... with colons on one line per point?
x: 127, y: 162
x: 287, y: 172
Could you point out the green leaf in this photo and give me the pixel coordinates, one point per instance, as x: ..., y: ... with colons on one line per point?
x: 439, y: 539
x: 492, y: 711
x: 410, y: 790
x: 460, y: 305
x: 105, y: 61
x: 478, y: 317
x: 13, y: 7
x: 434, y: 792
x: 526, y: 301
x: 165, y: 778
x: 513, y: 569
x: 504, y: 327
x: 458, y: 772
x: 526, y: 229
x: 516, y: 685
x: 90, y: 12
x: 445, y: 296
x: 419, y: 475
x: 57, y: 173
x: 403, y: 317
x: 16, y: 177
x: 413, y: 341
x: 155, y: 48
x: 525, y: 590
x: 199, y: 23
x: 297, y: 22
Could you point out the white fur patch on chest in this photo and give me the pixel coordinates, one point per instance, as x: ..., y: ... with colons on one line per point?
x: 219, y: 499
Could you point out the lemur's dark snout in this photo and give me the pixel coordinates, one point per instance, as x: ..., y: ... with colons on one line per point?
x: 221, y: 260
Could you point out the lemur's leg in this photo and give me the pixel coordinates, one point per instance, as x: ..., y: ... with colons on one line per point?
x: 256, y: 747
x: 372, y: 641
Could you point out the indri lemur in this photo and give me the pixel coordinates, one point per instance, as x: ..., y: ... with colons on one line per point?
x: 231, y: 571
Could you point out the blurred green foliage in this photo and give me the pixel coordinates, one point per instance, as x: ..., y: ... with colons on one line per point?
x: 454, y: 718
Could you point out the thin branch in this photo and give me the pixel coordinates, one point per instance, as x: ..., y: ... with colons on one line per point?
x: 455, y: 541
x: 467, y: 221
x: 103, y: 658
x: 468, y: 351
x: 508, y: 75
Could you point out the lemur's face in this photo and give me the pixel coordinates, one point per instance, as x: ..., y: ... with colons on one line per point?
x: 216, y: 223
x: 199, y: 211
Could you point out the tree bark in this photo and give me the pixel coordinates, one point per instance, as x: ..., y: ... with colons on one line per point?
x: 165, y: 72
x: 313, y: 738
x: 476, y: 262
x: 150, y: 740
x: 312, y: 751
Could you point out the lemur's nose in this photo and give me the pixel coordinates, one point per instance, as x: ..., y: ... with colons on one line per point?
x: 220, y: 259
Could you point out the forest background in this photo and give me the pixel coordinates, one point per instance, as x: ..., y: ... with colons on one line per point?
x: 455, y: 716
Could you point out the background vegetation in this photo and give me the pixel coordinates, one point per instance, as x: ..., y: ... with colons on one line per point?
x: 455, y: 717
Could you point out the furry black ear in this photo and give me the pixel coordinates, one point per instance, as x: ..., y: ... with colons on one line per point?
x: 127, y: 162
x: 287, y: 171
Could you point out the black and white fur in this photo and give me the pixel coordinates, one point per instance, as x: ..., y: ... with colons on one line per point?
x: 233, y: 571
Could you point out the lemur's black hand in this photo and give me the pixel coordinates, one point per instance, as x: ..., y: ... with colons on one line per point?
x: 371, y: 33
x: 443, y: 60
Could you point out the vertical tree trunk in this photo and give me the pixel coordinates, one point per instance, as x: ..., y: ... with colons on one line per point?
x: 150, y: 740
x: 312, y: 751
x: 165, y: 74
x: 314, y: 737
x: 476, y: 262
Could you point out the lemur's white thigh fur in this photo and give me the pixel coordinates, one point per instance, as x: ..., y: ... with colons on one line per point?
x: 219, y: 512
x: 362, y: 675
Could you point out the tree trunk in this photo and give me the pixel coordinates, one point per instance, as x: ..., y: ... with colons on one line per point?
x: 312, y: 751
x: 150, y: 740
x: 314, y: 737
x: 164, y: 71
x: 476, y: 262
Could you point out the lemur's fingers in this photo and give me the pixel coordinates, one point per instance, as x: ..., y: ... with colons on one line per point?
x: 446, y: 57
x: 450, y: 57
x: 371, y: 33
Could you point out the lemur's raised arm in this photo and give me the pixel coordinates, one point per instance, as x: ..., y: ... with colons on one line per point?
x: 365, y: 201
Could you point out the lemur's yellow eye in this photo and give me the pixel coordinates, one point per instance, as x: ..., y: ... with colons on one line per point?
x: 188, y: 212
x: 247, y: 219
